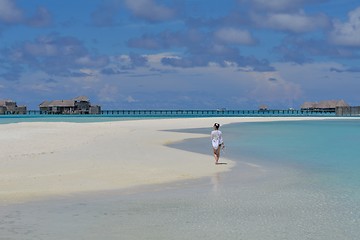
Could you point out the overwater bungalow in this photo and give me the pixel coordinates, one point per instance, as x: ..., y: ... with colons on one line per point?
x: 263, y: 107
x: 326, y: 105
x: 79, y: 105
x: 10, y: 107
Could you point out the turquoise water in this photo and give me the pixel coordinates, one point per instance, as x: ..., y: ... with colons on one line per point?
x: 329, y: 148
x: 310, y: 184
x: 58, y: 118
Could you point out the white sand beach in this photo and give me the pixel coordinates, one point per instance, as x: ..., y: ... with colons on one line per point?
x: 49, y: 159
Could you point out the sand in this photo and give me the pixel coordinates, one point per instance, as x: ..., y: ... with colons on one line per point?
x: 40, y: 160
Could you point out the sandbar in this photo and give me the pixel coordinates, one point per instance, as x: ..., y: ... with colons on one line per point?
x: 43, y: 159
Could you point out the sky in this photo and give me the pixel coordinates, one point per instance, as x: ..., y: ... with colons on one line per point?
x: 180, y: 54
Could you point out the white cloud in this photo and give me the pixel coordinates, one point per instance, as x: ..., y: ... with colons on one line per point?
x: 130, y: 99
x: 348, y: 33
x: 319, y: 82
x: 9, y: 12
x: 42, y: 87
x: 108, y: 93
x: 297, y: 22
x: 91, y: 61
x: 41, y: 49
x: 234, y: 36
x: 149, y: 10
x: 278, y: 5
x: 271, y: 87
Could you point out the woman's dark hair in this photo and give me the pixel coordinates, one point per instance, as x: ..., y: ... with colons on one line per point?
x: 216, y: 125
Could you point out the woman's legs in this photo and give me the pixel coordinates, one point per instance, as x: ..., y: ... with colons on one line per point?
x: 217, y: 154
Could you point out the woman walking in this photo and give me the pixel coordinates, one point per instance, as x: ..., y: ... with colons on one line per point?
x: 217, y: 142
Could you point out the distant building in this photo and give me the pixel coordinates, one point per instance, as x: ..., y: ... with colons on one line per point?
x: 348, y: 111
x: 10, y: 107
x: 263, y: 107
x: 79, y: 105
x: 327, y: 105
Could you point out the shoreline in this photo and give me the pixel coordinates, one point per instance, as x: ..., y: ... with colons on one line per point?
x: 47, y: 159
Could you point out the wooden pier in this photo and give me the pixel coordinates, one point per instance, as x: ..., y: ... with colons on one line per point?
x: 348, y: 111
x: 197, y: 113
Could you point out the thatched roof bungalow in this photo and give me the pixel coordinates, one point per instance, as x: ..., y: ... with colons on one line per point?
x: 79, y: 105
x: 308, y: 106
x: 326, y: 105
x: 10, y: 107
x: 263, y: 107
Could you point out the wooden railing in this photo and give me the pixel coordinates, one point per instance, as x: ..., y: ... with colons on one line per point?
x: 200, y: 113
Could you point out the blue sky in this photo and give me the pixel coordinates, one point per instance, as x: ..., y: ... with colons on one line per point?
x: 180, y: 54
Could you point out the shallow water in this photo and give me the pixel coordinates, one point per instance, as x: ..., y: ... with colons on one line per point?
x: 6, y: 119
x: 285, y: 193
x: 327, y: 149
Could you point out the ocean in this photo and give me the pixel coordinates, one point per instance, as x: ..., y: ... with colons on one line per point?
x: 293, y: 180
x: 7, y: 119
x: 306, y: 184
x: 323, y: 147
